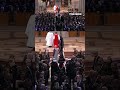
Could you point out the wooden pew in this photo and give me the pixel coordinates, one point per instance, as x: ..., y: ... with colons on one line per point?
x: 112, y: 18
x: 22, y: 18
x: 92, y: 19
x: 72, y: 33
x: 43, y: 33
x: 4, y: 18
x: 82, y: 33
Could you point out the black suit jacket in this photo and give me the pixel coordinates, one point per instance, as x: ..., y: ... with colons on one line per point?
x: 61, y: 42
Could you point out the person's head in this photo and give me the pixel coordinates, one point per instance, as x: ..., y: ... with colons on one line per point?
x: 12, y: 60
x: 37, y: 53
x: 78, y: 77
x: 75, y: 84
x: 55, y: 77
x: 40, y: 51
x: 104, y: 88
x: 54, y: 64
x: 55, y: 32
x: 74, y: 49
x: 28, y: 62
x: 30, y: 56
x: 56, y: 85
x: 95, y: 53
x: 109, y: 59
x: 12, y: 57
x: 47, y: 51
x: 92, y: 73
x: 61, y: 64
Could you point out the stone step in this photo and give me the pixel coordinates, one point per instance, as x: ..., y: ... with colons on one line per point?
x: 68, y: 39
x: 112, y: 35
x: 6, y: 28
x: 91, y: 34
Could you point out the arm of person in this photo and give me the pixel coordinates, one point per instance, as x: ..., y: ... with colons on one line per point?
x: 58, y: 37
x: 47, y: 36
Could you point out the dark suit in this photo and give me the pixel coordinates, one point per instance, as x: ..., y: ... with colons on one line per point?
x: 13, y: 71
x: 98, y: 64
x: 61, y: 45
x: 46, y: 56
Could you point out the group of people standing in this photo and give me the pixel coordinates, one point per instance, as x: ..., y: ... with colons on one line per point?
x: 56, y: 41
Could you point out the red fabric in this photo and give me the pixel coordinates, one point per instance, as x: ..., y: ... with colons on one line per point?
x: 56, y: 41
x: 56, y: 8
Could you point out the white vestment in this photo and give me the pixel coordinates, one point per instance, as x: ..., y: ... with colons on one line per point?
x: 30, y: 31
x: 49, y: 39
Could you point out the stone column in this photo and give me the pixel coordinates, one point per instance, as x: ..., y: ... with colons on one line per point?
x: 82, y: 6
x: 69, y: 4
x: 36, y: 6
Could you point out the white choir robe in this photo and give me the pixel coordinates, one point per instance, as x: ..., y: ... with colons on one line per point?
x: 49, y: 39
x: 30, y: 31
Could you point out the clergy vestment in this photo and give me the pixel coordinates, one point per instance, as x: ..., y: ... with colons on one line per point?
x: 56, y: 40
x: 49, y: 39
x: 30, y: 31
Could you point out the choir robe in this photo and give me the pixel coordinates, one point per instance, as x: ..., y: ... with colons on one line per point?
x: 49, y: 39
x: 56, y: 40
x: 30, y: 31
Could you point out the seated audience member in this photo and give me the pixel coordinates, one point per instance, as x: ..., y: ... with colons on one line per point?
x: 65, y: 22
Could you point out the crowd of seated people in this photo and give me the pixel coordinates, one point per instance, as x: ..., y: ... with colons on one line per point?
x: 104, y: 74
x: 34, y: 73
x: 102, y: 5
x: 31, y: 74
x: 17, y: 5
x: 45, y: 21
x: 13, y: 75
x: 71, y: 22
x: 64, y: 22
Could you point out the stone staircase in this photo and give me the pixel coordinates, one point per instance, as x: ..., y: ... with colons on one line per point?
x: 12, y: 41
x: 69, y: 44
x: 107, y: 43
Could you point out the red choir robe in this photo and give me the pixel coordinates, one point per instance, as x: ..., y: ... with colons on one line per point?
x: 56, y: 40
